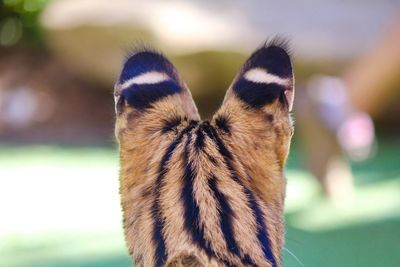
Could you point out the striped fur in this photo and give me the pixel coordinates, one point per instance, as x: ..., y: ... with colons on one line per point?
x: 204, y: 193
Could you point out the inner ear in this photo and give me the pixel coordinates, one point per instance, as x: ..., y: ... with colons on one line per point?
x: 120, y: 103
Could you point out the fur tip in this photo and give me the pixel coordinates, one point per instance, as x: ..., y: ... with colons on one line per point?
x: 140, y: 47
x: 280, y: 42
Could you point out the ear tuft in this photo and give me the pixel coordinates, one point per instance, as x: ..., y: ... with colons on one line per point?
x: 141, y: 46
x: 146, y: 77
x: 279, y: 41
x: 266, y: 76
x: 145, y: 59
x: 273, y: 56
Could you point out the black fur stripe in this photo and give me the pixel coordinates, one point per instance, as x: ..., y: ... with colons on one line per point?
x: 223, y: 124
x: 161, y: 253
x: 146, y: 61
x: 262, y: 234
x: 192, y: 211
x: 211, y: 132
x: 226, y: 214
x: 141, y: 96
x: 199, y: 142
x: 273, y: 57
x: 257, y: 95
x: 171, y: 124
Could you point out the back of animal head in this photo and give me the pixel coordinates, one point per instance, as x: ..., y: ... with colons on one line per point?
x: 204, y: 180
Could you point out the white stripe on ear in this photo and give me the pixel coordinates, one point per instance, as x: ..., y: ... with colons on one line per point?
x: 258, y: 75
x: 150, y: 77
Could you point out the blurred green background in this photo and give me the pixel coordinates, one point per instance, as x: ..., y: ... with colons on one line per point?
x: 59, y: 201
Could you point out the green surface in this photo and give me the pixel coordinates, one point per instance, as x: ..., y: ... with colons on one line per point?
x: 60, y: 207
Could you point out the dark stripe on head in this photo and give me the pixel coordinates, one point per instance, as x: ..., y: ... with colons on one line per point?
x: 226, y: 213
x: 199, y: 142
x: 211, y: 133
x: 257, y: 95
x: 161, y: 253
x: 269, y: 117
x: 223, y: 124
x: 191, y: 210
x: 146, y: 61
x: 228, y: 157
x: 171, y: 124
x: 262, y: 234
x: 211, y: 159
x: 141, y: 96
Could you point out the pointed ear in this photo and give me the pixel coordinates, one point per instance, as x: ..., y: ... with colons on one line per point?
x: 150, y: 92
x: 266, y: 78
x: 257, y: 105
x: 254, y: 118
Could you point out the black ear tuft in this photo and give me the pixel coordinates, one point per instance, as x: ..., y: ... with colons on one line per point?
x: 144, y: 58
x: 140, y: 46
x: 279, y: 41
x: 147, y: 77
x: 267, y: 76
x: 273, y: 56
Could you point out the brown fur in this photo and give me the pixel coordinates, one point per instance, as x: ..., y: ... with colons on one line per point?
x: 258, y: 142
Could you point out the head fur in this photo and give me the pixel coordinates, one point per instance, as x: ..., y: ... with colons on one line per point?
x: 204, y: 193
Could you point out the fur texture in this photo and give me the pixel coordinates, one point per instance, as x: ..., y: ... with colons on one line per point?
x: 204, y: 193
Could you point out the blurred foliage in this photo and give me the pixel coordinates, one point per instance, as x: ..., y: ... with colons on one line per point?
x: 19, y: 22
x: 305, y: 68
x: 210, y: 73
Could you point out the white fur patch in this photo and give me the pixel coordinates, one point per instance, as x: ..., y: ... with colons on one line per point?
x: 258, y: 75
x: 150, y: 77
x: 116, y: 98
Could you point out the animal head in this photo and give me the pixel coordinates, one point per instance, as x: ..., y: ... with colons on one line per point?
x: 160, y: 133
